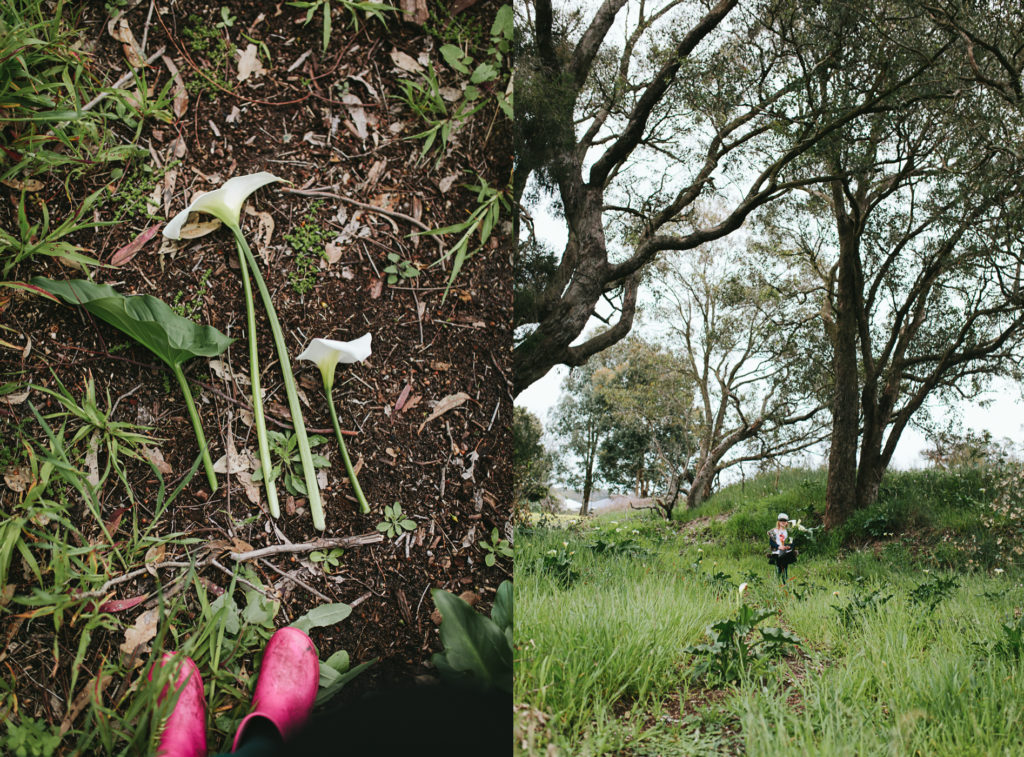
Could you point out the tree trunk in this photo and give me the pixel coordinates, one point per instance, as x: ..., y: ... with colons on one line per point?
x: 588, y: 486
x: 701, y: 485
x: 841, y: 488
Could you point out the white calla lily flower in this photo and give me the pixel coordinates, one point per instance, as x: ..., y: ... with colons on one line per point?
x: 224, y: 203
x: 327, y: 353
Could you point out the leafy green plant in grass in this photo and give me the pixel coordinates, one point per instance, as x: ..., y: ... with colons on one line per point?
x: 491, y: 202
x: 933, y: 590
x: 42, y: 238
x: 395, y: 522
x: 284, y: 447
x: 30, y: 737
x: 114, y: 436
x: 623, y: 548
x: 731, y: 654
x: 156, y: 327
x: 374, y: 10
x: 477, y: 649
x: 860, y: 604
x: 1011, y: 645
x: 484, y: 67
x: 495, y: 548
x: 558, y: 563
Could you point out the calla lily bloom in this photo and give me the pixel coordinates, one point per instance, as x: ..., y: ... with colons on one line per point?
x: 224, y: 203
x: 327, y: 353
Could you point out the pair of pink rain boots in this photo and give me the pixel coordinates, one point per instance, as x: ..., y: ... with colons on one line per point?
x: 285, y: 691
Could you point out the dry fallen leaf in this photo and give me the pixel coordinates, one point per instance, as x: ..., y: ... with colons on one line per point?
x: 18, y: 479
x: 450, y: 402
x: 156, y: 553
x: 264, y: 231
x: 238, y: 546
x: 28, y: 185
x: 140, y: 633
x: 355, y: 111
x: 446, y: 183
x: 131, y: 249
x: 252, y: 491
x: 405, y: 62
x: 375, y: 289
x: 92, y: 690
x: 14, y: 398
x: 239, y: 461
x: 119, y: 30
x: 249, y: 63
x: 333, y: 251
x: 155, y: 456
x: 224, y: 373
x: 180, y: 105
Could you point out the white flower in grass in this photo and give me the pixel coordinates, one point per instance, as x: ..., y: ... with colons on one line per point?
x: 997, y: 571
x: 743, y: 588
x: 327, y: 353
x: 224, y: 203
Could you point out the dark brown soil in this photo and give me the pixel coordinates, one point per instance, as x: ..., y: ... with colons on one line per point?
x: 294, y: 124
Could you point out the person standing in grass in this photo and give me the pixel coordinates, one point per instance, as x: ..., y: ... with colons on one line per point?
x: 782, y: 555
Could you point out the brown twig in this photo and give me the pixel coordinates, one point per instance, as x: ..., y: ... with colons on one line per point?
x: 277, y: 549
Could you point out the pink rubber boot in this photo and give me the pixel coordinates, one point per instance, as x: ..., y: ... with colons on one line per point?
x: 184, y: 733
x: 287, y: 683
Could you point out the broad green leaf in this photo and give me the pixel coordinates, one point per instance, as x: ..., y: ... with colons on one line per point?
x: 454, y: 57
x: 145, y: 319
x: 258, y: 609
x: 484, y: 72
x: 324, y: 615
x: 474, y: 645
x: 339, y: 661
x: 503, y: 25
x: 337, y: 683
x: 232, y: 620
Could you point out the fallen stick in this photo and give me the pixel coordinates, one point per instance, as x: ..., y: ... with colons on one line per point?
x: 277, y: 549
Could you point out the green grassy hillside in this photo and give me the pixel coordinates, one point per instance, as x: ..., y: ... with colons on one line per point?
x: 908, y: 621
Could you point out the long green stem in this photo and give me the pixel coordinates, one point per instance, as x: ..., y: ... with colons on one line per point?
x: 312, y: 488
x: 257, y: 395
x: 197, y: 426
x: 363, y: 506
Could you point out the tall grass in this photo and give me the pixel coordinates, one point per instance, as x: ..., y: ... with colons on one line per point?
x: 600, y: 666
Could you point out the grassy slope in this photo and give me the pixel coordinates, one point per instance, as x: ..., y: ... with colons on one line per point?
x: 600, y: 667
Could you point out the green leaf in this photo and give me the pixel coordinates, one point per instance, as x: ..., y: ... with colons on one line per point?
x: 503, y: 26
x: 332, y: 688
x: 323, y: 615
x: 409, y: 525
x: 454, y: 57
x: 484, y: 72
x: 145, y: 319
x: 231, y: 617
x: 474, y: 645
x: 383, y: 526
x: 501, y: 613
x: 259, y: 610
x: 338, y: 661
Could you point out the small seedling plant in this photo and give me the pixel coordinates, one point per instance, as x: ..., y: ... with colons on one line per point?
x: 731, y: 654
x: 495, y: 548
x: 327, y: 560
x: 394, y: 523
x: 285, y: 448
x: 400, y: 268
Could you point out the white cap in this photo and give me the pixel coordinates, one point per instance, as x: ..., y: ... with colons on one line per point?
x: 783, y: 516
